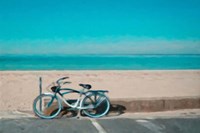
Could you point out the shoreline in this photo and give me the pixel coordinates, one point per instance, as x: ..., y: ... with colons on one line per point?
x: 146, y: 70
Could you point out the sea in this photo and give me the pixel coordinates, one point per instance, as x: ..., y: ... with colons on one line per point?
x: 99, y: 62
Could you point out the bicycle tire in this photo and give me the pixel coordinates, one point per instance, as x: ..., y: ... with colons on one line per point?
x: 50, y: 108
x: 99, y: 99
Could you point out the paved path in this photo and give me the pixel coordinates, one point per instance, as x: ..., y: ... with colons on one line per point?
x: 164, y: 122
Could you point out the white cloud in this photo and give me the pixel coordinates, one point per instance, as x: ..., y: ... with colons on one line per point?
x: 108, y: 45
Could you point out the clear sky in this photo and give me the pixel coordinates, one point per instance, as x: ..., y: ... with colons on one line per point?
x: 99, y: 26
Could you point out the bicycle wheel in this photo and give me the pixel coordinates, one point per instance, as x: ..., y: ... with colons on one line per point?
x: 46, y: 106
x: 99, y: 102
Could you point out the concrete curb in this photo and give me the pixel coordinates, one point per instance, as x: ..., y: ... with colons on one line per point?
x: 155, y: 104
x: 119, y: 106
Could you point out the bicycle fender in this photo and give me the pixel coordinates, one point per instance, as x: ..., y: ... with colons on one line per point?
x: 98, y: 91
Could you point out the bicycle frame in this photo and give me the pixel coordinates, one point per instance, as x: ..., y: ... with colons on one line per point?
x: 78, y: 103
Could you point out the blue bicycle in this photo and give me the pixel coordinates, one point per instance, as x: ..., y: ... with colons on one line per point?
x: 93, y: 103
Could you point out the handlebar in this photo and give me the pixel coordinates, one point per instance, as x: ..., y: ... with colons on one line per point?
x: 66, y: 82
x: 61, y: 79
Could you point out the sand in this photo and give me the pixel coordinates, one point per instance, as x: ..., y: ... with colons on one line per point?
x: 19, y: 88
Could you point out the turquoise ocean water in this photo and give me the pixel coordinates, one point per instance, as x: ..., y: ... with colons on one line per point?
x: 99, y: 62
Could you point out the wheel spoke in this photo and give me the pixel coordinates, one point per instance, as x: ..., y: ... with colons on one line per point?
x: 50, y: 106
x: 100, y: 102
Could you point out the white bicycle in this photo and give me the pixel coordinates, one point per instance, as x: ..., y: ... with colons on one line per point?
x: 93, y: 103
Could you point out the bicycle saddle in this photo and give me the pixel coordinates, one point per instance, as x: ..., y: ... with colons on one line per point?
x: 86, y: 86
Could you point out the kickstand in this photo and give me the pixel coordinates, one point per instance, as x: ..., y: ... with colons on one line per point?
x: 78, y: 114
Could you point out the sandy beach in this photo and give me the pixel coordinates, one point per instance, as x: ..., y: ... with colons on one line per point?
x: 19, y: 88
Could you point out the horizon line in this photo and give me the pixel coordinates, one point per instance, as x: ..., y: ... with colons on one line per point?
x: 87, y: 54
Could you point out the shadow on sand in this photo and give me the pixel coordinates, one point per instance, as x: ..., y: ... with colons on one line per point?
x: 67, y: 112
